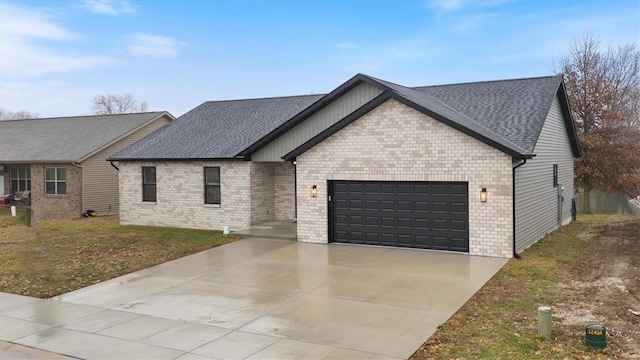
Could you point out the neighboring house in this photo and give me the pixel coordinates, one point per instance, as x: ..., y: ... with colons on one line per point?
x: 62, y: 161
x: 372, y: 163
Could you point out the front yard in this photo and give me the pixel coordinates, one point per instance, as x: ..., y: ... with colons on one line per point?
x: 588, y: 272
x: 59, y: 256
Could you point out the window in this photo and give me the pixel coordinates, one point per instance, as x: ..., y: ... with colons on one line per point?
x: 20, y: 177
x: 149, y: 183
x: 55, y: 180
x: 555, y: 175
x: 212, y: 185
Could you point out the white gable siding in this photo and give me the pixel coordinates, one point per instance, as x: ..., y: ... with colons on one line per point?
x: 536, y: 201
x: 318, y: 122
x: 100, y: 179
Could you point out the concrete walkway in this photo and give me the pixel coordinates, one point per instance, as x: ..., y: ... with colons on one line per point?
x: 257, y: 299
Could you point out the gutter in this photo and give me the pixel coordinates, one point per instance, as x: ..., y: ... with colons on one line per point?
x: 513, y: 184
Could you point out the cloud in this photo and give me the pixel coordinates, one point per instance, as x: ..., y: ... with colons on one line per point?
x: 153, y: 45
x: 31, y: 41
x: 109, y: 7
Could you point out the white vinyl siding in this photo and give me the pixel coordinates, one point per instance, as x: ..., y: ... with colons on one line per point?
x: 316, y: 123
x: 536, y: 197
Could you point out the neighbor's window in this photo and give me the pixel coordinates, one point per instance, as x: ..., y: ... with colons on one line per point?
x: 20, y: 177
x: 55, y: 180
x: 212, y: 185
x: 555, y: 175
x: 149, y: 183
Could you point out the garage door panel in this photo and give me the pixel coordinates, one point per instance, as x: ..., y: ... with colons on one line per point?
x: 422, y: 206
x: 404, y: 223
x: 458, y: 207
x: 459, y: 225
x: 404, y: 205
x: 429, y: 215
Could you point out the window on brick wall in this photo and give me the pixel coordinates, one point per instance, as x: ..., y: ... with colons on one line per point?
x: 149, y: 183
x: 20, y: 177
x: 55, y: 181
x: 212, y: 185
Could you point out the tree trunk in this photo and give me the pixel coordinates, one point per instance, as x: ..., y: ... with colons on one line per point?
x: 586, y: 199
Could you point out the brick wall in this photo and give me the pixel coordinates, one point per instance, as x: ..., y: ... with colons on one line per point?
x: 284, y: 190
x: 180, y: 195
x: 262, y: 194
x: 56, y: 206
x: 394, y: 142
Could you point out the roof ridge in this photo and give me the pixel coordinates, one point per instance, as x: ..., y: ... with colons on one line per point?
x: 486, y: 81
x: 84, y: 116
x: 264, y: 98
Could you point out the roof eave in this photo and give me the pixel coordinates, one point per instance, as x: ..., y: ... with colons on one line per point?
x: 568, y: 120
x: 175, y: 159
x: 153, y: 119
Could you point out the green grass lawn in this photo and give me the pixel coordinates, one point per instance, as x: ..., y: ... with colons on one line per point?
x: 499, y: 322
x: 58, y: 256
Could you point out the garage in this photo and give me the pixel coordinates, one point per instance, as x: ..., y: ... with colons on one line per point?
x: 413, y: 214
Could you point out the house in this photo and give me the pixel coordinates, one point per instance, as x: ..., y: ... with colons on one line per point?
x: 62, y: 161
x: 483, y: 168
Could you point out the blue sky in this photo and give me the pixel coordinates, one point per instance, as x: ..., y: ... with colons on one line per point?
x: 56, y: 55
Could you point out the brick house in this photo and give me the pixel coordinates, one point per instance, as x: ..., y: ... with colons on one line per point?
x: 482, y: 168
x: 62, y: 163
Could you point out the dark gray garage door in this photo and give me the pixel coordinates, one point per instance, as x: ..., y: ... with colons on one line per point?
x: 426, y: 215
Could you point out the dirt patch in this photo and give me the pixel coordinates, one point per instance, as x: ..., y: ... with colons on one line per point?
x: 602, y: 287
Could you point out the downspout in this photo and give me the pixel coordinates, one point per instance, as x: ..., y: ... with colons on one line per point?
x: 115, y: 167
x: 513, y: 184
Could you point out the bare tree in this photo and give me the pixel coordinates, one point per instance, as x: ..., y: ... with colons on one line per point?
x: 603, y: 88
x: 18, y: 115
x: 104, y: 104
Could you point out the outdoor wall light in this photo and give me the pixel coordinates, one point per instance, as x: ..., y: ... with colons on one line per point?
x: 314, y: 191
x: 484, y: 195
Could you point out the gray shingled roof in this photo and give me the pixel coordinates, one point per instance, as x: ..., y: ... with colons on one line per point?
x: 514, y: 109
x: 217, y: 129
x: 444, y: 106
x: 507, y: 113
x: 64, y: 139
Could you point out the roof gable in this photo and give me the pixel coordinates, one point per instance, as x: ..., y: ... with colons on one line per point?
x: 217, y: 129
x: 66, y: 139
x: 507, y: 115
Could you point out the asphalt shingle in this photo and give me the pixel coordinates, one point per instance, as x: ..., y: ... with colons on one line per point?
x: 510, y: 113
x: 64, y: 139
x: 217, y: 129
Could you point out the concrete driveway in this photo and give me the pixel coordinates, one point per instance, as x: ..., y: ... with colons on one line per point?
x: 258, y: 299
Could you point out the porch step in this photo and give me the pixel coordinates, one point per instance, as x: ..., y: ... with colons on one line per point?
x: 272, y: 230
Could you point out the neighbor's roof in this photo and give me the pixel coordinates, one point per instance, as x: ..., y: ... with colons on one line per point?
x: 506, y: 114
x: 217, y: 129
x: 65, y: 139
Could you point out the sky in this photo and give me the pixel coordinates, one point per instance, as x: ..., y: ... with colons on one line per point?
x: 56, y: 55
